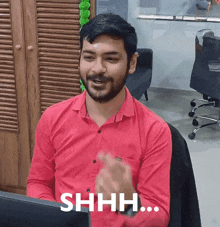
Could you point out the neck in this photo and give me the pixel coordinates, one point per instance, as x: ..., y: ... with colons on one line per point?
x: 107, y: 109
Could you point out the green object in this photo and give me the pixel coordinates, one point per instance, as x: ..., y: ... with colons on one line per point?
x: 84, y: 19
x: 84, y: 13
x: 84, y: 5
x: 82, y: 85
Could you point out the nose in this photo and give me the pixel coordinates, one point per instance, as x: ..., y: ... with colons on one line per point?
x: 98, y: 67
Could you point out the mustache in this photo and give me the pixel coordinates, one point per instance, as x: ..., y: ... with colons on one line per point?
x: 97, y: 77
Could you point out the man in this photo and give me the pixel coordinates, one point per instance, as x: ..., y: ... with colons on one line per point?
x: 104, y: 140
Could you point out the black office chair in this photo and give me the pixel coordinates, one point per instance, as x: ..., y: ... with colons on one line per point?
x: 138, y: 82
x: 205, y: 79
x: 184, y: 206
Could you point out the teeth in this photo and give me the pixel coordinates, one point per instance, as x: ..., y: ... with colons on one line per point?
x: 99, y: 81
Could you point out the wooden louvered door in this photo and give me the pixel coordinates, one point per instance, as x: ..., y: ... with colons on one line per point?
x: 14, y: 124
x: 39, y: 54
x: 52, y: 39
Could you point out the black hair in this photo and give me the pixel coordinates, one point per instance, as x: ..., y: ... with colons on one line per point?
x: 113, y: 25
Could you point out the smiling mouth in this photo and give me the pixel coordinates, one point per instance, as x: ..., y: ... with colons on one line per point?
x: 98, y: 81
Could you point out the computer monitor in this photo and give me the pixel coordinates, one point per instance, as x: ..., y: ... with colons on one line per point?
x: 22, y: 211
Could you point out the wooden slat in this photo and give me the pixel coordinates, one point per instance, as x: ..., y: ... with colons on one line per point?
x: 4, y: 26
x: 58, y: 26
x: 6, y: 47
x: 53, y: 69
x: 58, y: 1
x: 7, y: 100
x: 7, y: 71
x: 8, y: 95
x: 4, y: 4
x: 55, y: 96
x: 58, y: 36
x: 57, y: 10
x: 5, y: 21
x: 59, y: 31
x: 57, y: 5
x: 59, y: 50
x: 9, y: 109
x: 5, y: 15
x: 4, y: 10
x: 6, y: 85
x: 51, y: 100
x: 8, y: 114
x: 59, y: 45
x: 8, y: 126
x: 8, y: 90
x: 69, y: 80
x: 59, y: 55
x: 5, y: 41
x: 6, y: 67
x: 56, y: 21
x: 13, y: 119
x: 59, y: 16
x: 54, y: 64
x: 63, y: 89
x: 6, y: 52
x: 74, y: 62
x: 6, y: 57
x: 59, y: 41
x: 56, y: 74
x: 5, y: 31
x: 54, y: 92
x: 57, y: 83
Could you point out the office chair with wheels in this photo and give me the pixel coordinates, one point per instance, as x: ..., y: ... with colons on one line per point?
x: 138, y: 82
x: 205, y: 79
x: 184, y: 205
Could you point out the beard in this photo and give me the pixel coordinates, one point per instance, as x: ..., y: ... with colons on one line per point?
x: 103, y: 97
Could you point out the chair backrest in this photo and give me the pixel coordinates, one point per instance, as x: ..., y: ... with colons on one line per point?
x: 145, y: 58
x: 138, y: 82
x: 184, y: 206
x: 205, y: 77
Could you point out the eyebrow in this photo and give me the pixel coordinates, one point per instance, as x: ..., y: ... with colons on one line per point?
x: 106, y: 53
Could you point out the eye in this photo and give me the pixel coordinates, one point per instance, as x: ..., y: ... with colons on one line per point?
x: 88, y: 57
x: 111, y: 59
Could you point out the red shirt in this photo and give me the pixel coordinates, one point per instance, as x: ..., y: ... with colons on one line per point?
x: 66, y: 146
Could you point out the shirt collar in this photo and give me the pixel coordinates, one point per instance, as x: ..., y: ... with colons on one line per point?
x: 127, y: 108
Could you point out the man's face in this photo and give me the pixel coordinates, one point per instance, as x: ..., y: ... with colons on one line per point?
x: 103, y: 67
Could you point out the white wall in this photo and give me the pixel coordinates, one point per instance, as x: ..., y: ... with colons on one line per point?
x: 173, y: 45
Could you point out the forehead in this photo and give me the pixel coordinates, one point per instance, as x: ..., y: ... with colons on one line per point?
x: 105, y: 43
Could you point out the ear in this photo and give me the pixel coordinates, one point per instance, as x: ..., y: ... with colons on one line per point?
x: 133, y: 63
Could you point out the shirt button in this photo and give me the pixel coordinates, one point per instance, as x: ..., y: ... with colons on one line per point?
x: 94, y: 161
x: 99, y: 131
x: 88, y: 190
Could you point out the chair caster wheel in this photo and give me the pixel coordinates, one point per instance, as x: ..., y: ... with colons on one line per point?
x: 193, y: 104
x: 191, y: 114
x: 195, y: 122
x: 192, y: 135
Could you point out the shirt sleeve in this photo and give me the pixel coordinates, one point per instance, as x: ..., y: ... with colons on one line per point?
x: 41, y: 180
x: 154, y: 180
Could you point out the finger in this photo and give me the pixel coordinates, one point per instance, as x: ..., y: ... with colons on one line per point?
x: 107, y: 159
x: 104, y: 157
x: 114, y: 165
x: 103, y: 186
x: 108, y: 182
